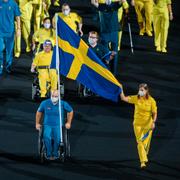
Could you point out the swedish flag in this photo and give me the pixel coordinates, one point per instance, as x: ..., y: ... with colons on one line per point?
x: 79, y: 62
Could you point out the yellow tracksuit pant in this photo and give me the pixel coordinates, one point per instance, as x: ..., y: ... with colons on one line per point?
x: 144, y: 10
x: 143, y: 146
x: 17, y: 43
x: 47, y: 76
x: 120, y: 14
x: 161, y: 26
x: 37, y: 10
x: 124, y: 6
x: 26, y: 13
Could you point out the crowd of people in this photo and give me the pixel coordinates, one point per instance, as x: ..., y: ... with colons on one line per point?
x: 17, y: 17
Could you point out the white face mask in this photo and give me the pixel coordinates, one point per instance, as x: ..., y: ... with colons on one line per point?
x: 66, y: 12
x: 141, y: 93
x: 47, y: 25
x: 54, y: 100
x: 91, y: 41
x: 108, y: 2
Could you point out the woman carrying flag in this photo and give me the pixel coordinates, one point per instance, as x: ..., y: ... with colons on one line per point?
x: 145, y: 116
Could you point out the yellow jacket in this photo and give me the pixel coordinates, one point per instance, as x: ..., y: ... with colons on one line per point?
x: 162, y: 3
x: 36, y: 1
x: 71, y: 20
x: 43, y: 34
x: 26, y: 10
x: 43, y: 59
x: 143, y: 110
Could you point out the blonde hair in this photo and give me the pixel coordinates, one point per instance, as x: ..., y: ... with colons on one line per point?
x: 95, y: 33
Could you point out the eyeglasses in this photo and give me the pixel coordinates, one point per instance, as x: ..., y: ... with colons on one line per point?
x: 55, y: 96
x: 65, y: 10
x: 93, y: 37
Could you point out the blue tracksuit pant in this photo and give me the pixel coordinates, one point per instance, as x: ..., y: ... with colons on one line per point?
x: 112, y: 38
x: 49, y: 133
x: 7, y: 43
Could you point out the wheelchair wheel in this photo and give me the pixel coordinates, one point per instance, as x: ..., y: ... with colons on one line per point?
x: 33, y: 92
x: 42, y: 154
x: 41, y: 146
x: 67, y: 148
x: 35, y: 87
x: 80, y: 90
x: 62, y: 89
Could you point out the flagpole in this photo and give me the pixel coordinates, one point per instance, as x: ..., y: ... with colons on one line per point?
x: 59, y: 85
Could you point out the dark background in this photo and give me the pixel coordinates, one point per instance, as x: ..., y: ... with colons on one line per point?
x: 102, y: 140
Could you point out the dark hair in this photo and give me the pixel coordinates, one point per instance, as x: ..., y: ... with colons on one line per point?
x: 46, y: 18
x: 145, y: 86
x: 65, y: 4
x: 94, y: 32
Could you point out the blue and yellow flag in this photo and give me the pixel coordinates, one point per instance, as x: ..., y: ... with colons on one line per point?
x: 79, y: 62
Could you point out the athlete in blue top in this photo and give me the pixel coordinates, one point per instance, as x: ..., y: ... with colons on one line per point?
x: 49, y: 111
x: 9, y: 12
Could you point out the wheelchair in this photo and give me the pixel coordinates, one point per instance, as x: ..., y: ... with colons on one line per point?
x: 36, y: 92
x: 64, y: 148
x: 84, y: 92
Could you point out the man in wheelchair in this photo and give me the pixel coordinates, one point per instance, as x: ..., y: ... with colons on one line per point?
x: 47, y: 77
x: 48, y: 116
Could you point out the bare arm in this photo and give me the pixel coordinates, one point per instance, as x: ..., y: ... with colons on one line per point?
x: 39, y: 116
x: 69, y: 119
x: 54, y: 22
x: 132, y: 3
x: 80, y: 28
x: 18, y: 21
x: 154, y: 117
x: 33, y: 66
x: 123, y: 97
x: 95, y: 3
x: 170, y: 12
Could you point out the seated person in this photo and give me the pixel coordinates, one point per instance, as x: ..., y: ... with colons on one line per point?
x: 46, y: 32
x: 101, y: 51
x: 42, y: 62
x: 49, y: 109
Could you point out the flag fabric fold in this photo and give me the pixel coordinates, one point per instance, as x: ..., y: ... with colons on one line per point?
x: 79, y: 62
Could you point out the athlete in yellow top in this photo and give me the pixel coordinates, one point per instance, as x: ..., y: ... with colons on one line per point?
x: 144, y: 10
x: 46, y: 32
x: 42, y: 62
x: 145, y: 116
x: 73, y: 20
x: 162, y: 13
